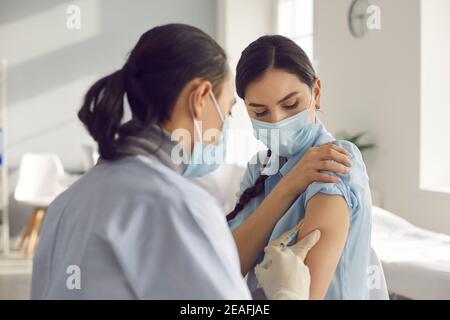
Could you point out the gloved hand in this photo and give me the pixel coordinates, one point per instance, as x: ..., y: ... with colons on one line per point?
x: 283, y: 274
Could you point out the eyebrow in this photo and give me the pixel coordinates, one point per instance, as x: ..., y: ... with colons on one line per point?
x: 278, y: 102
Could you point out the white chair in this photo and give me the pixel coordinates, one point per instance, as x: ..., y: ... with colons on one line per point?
x: 41, y: 180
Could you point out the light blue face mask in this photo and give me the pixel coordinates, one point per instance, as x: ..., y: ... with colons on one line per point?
x: 205, y: 157
x: 288, y: 136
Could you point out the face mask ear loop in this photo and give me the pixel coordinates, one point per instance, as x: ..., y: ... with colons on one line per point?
x: 197, y: 130
x: 310, y: 104
x: 216, y: 104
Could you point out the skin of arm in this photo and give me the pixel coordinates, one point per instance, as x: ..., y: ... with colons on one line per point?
x: 252, y: 236
x: 329, y: 214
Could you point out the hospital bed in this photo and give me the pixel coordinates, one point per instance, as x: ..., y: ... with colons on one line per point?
x: 416, y: 262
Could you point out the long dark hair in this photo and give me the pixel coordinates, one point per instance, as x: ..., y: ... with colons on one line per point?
x: 163, y: 61
x: 269, y: 52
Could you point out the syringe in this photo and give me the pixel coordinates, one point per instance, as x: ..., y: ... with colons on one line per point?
x: 290, y: 237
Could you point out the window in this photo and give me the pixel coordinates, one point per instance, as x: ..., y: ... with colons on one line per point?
x: 296, y: 21
x: 435, y: 96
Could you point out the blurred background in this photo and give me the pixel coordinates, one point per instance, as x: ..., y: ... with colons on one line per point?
x: 385, y: 72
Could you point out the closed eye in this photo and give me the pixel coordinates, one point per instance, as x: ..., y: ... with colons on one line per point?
x: 260, y: 114
x: 291, y: 106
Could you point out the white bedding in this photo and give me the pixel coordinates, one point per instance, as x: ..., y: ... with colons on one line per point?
x: 416, y: 262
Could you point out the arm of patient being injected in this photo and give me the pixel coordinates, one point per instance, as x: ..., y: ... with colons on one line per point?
x: 329, y: 214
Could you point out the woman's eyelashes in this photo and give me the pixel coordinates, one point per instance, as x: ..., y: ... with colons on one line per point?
x: 287, y: 107
x: 291, y: 106
x: 261, y: 113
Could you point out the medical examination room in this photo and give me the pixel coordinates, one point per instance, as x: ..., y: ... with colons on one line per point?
x: 224, y: 150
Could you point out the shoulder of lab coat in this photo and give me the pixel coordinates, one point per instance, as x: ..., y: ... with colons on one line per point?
x: 175, y: 244
x: 140, y: 221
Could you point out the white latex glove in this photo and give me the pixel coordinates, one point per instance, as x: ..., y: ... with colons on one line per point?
x: 283, y: 274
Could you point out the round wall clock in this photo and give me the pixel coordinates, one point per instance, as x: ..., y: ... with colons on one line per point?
x: 357, y: 17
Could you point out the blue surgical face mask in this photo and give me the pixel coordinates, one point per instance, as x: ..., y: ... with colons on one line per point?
x: 205, y: 157
x: 288, y: 136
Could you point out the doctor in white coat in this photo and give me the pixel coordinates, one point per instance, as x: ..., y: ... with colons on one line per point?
x: 134, y: 226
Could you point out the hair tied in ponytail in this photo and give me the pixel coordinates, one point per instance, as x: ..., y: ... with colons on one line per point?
x: 102, y: 112
x: 252, y: 191
x: 129, y: 71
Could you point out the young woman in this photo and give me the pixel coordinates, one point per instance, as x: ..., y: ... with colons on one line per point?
x: 134, y: 226
x: 282, y: 92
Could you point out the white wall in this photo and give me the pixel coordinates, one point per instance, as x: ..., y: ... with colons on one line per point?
x: 435, y: 98
x: 51, y: 67
x: 373, y: 84
x: 238, y: 24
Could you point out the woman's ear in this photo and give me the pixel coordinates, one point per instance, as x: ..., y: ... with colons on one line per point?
x: 199, y: 97
x: 317, y: 91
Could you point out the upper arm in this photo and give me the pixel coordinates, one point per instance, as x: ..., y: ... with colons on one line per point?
x: 329, y: 214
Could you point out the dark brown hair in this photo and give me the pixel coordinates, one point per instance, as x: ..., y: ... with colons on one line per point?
x: 269, y: 52
x: 163, y: 61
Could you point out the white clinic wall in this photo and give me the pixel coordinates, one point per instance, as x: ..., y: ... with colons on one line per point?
x: 238, y: 24
x: 373, y: 84
x: 50, y: 67
x: 435, y: 99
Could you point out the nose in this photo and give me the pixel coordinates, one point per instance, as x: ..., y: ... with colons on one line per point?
x: 277, y: 114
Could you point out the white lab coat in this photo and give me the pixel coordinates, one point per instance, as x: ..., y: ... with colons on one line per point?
x: 134, y: 228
